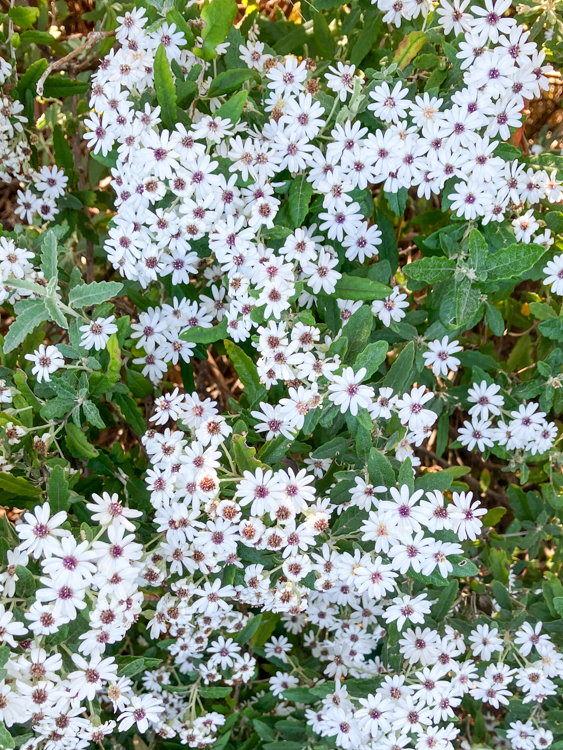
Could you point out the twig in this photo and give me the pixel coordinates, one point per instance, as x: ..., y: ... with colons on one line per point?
x: 93, y: 38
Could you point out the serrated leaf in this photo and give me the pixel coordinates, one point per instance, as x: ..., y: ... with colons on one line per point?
x: 29, y: 314
x: 131, y: 412
x: 55, y: 312
x: 87, y: 295
x: 511, y: 262
x: 78, y: 444
x: 92, y: 415
x: 431, y: 270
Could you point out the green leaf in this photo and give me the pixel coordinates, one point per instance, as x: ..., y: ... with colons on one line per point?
x: 218, y: 16
x: 508, y: 152
x: 265, y: 732
x: 551, y: 329
x: 371, y: 357
x: 87, y: 295
x: 30, y: 77
x: 231, y: 80
x: 324, y: 40
x: 55, y: 312
x: 468, y: 301
x: 300, y: 194
x: 247, y: 372
x: 367, y: 38
x: 92, y: 415
x: 478, y: 250
x: 78, y: 444
x: 129, y: 666
x: 25, y: 585
x: 332, y: 448
x: 400, y: 370
x: 29, y: 314
x: 512, y: 261
x: 380, y: 470
x: 214, y: 692
x: 542, y: 311
x: 130, y: 412
x: 165, y: 89
x: 37, y: 37
x: 233, y: 109
x: 199, y: 335
x: 17, y: 486
x: 426, y: 61
x: 409, y: 48
x: 441, y: 608
x: 63, y: 154
x: 349, y: 522
x: 49, y: 255
x: 493, y: 516
x: 501, y: 595
x: 174, y: 16
x: 6, y: 739
x: 299, y: 695
x: 249, y: 629
x: 431, y: 270
x: 397, y: 201
x: 357, y: 288
x: 495, y: 321
x: 60, y: 86
x: 358, y: 330
x: 23, y: 17
x: 58, y: 491
x: 554, y: 220
x: 245, y: 456
x: 139, y: 386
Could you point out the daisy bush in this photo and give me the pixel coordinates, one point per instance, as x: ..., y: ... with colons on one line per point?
x: 281, y: 375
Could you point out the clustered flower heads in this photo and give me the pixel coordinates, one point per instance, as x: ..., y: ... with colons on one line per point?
x: 40, y: 188
x: 342, y: 604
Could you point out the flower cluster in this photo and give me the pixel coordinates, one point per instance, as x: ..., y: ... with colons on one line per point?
x: 284, y: 472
